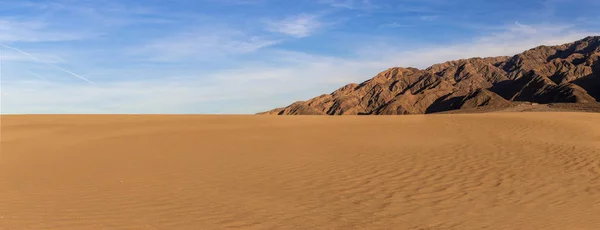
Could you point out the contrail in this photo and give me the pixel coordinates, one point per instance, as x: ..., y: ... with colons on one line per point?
x: 47, y: 63
x: 37, y: 75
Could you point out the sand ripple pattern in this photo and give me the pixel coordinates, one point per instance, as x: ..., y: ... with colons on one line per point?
x: 479, y: 171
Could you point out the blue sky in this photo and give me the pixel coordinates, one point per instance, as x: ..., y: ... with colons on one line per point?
x: 247, y: 56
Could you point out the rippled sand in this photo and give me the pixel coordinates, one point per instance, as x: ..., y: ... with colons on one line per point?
x: 473, y: 171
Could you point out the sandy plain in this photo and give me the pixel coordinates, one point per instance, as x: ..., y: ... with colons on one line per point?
x: 451, y: 171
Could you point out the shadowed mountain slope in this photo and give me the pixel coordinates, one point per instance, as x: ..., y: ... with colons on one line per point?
x: 568, y: 73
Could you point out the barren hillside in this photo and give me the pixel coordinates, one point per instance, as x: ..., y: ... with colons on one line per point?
x: 566, y: 73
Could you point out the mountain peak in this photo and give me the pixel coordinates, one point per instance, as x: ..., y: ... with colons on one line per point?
x: 591, y: 38
x: 568, y: 73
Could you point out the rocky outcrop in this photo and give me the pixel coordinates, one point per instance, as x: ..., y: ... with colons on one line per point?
x: 568, y: 73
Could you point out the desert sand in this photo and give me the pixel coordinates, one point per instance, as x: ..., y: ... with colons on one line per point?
x: 451, y: 171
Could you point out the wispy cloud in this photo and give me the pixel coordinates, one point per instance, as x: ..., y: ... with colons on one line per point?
x: 429, y: 17
x: 395, y: 25
x: 37, y: 75
x: 215, y: 56
x: 350, y: 4
x: 36, y: 59
x: 513, y: 39
x: 202, y: 44
x: 424, y: 6
x: 12, y: 30
x: 299, y: 26
x: 527, y: 29
x: 65, y: 20
x: 287, y: 76
x: 237, y: 2
x: 9, y: 55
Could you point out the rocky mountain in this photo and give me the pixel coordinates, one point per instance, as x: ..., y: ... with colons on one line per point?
x: 568, y: 73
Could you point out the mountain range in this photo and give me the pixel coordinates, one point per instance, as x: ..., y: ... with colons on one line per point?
x: 546, y: 75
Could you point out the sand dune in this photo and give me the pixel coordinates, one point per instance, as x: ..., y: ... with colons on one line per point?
x: 470, y: 171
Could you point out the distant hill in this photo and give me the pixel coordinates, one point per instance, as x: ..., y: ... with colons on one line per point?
x: 568, y: 73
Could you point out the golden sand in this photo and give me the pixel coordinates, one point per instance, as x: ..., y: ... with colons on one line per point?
x: 473, y: 171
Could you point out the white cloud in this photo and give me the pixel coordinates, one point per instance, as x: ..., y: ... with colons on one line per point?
x: 33, y: 31
x: 237, y: 2
x: 299, y: 26
x: 520, y: 28
x: 203, y: 44
x: 511, y: 40
x: 350, y: 4
x: 65, y: 20
x: 395, y: 25
x: 278, y: 79
x: 246, y: 89
x: 411, y: 7
x: 41, y: 61
x: 429, y: 17
x: 12, y: 56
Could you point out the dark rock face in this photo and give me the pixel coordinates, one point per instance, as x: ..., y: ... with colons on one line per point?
x: 568, y: 73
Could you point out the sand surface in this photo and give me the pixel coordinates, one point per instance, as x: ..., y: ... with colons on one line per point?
x: 470, y: 171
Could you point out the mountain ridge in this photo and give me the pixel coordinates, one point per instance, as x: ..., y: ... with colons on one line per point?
x: 567, y: 73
